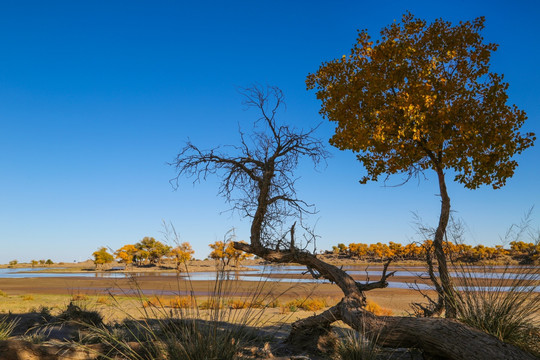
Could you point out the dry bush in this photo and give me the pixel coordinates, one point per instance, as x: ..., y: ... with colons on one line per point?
x: 210, y: 304
x: 239, y: 304
x: 378, y: 310
x: 103, y: 300
x: 79, y: 297
x: 182, y: 302
x: 304, y: 304
x: 154, y: 301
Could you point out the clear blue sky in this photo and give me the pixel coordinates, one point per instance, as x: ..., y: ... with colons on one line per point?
x: 96, y: 96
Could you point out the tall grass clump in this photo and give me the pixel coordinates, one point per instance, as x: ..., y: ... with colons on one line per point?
x: 354, y: 345
x: 78, y: 312
x: 219, y: 328
x: 6, y: 327
x: 502, y: 302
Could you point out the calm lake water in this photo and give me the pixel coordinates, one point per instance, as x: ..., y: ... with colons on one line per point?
x: 261, y: 273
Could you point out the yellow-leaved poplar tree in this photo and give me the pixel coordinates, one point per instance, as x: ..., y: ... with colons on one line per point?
x: 422, y: 98
x: 102, y: 257
x: 126, y: 254
x: 182, y: 254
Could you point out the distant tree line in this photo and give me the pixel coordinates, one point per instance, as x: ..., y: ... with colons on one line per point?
x: 151, y: 252
x: 34, y: 263
x: 519, y: 250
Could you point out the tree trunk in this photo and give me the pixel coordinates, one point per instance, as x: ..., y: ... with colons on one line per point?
x: 444, y: 275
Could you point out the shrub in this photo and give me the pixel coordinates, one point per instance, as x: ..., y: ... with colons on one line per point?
x: 103, y: 300
x: 239, y: 304
x: 504, y: 306
x: 377, y: 309
x: 274, y: 304
x: 306, y: 304
x: 182, y: 302
x: 79, y: 297
x: 210, y: 304
x: 81, y: 315
x: 356, y: 346
x: 155, y: 301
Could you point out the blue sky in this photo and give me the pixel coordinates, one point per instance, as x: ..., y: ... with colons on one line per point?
x: 96, y: 97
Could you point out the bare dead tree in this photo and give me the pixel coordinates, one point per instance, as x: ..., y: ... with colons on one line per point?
x: 258, y: 181
x: 257, y: 174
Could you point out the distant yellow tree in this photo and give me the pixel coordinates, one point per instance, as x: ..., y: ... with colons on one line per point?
x: 126, y: 254
x: 358, y: 249
x: 218, y: 252
x: 151, y: 249
x: 102, y: 257
x: 225, y: 252
x: 182, y: 254
x: 236, y: 255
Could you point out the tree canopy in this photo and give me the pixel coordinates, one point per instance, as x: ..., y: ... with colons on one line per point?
x: 150, y: 248
x: 225, y: 252
x: 126, y: 254
x: 182, y: 254
x: 423, y: 97
x: 102, y: 257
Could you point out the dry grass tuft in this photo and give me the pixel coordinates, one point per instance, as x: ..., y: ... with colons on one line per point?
x: 378, y: 310
x: 79, y: 297
x: 154, y: 301
x: 103, y: 300
x: 304, y: 304
x: 182, y: 302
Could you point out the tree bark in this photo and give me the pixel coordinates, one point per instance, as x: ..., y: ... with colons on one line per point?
x: 438, y: 337
x: 444, y: 275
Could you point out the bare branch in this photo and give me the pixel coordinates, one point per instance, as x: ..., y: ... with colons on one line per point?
x: 257, y: 175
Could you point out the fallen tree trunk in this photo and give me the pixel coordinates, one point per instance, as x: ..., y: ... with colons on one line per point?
x: 437, y: 337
